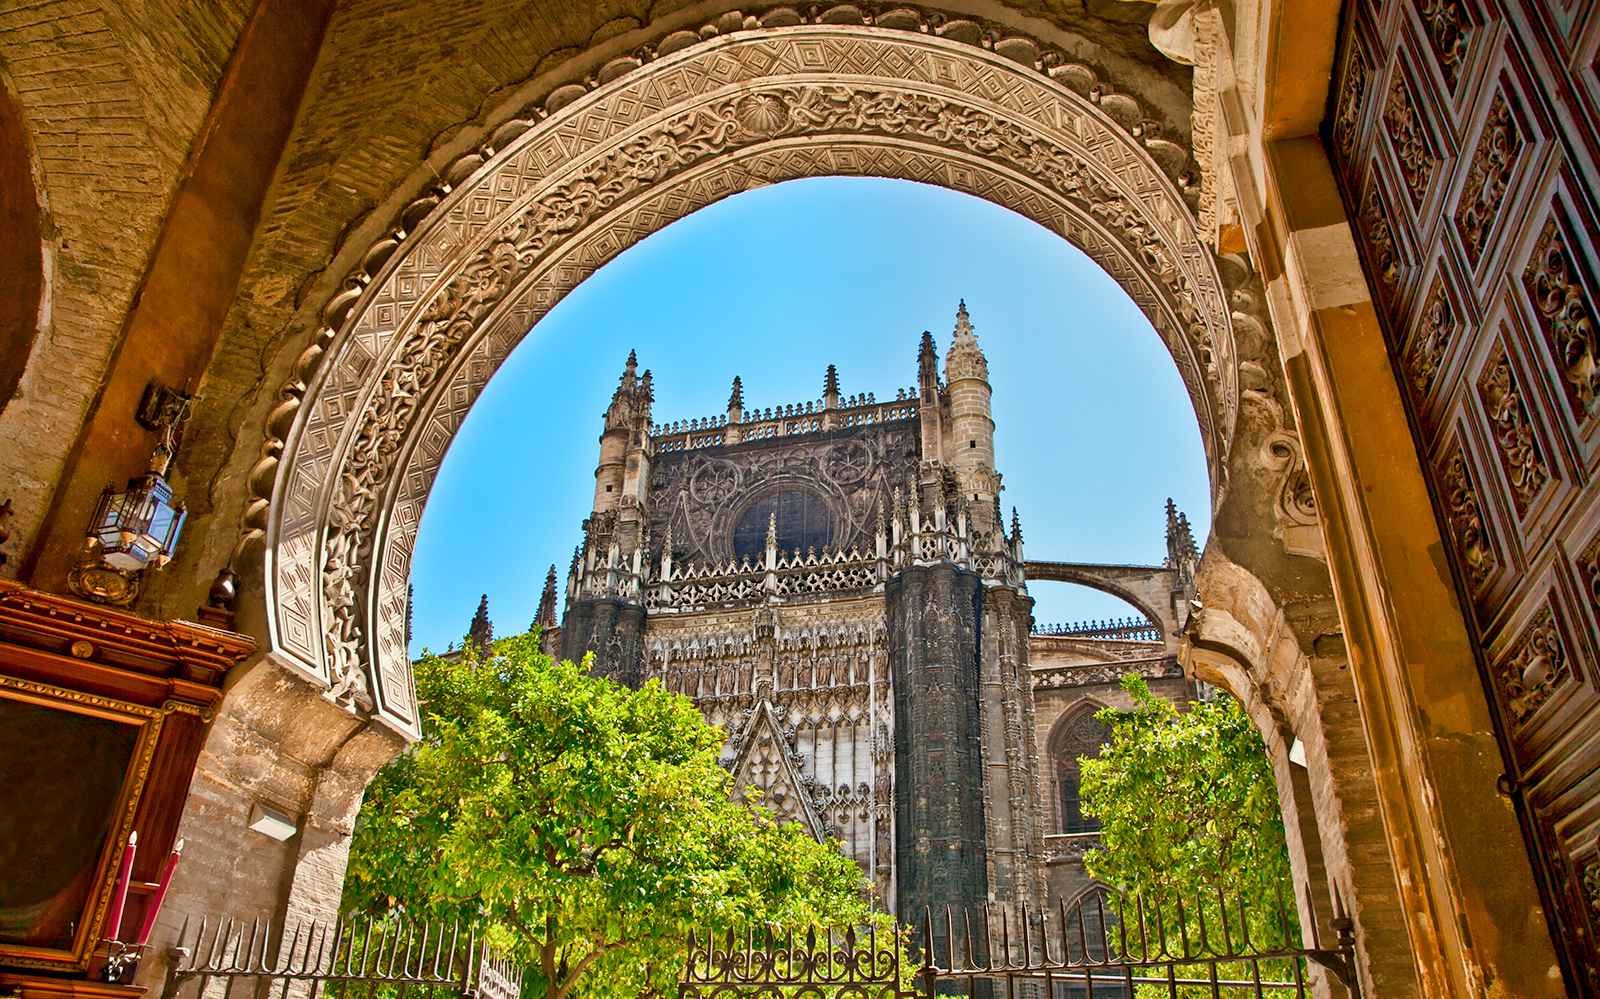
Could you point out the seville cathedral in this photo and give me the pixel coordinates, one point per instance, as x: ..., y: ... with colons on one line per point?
x: 259, y: 257
x: 833, y: 584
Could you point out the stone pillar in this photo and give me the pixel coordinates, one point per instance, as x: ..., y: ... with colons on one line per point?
x: 277, y: 741
x: 934, y: 615
x: 1011, y: 804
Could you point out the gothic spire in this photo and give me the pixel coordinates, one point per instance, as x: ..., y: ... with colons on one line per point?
x: 630, y: 403
x: 965, y: 358
x: 736, y: 401
x: 481, y: 633
x: 963, y: 326
x: 1180, y: 538
x: 928, y: 368
x: 546, y: 618
x: 1016, y: 526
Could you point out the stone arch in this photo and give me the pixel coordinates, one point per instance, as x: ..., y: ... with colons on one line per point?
x: 1148, y: 588
x: 440, y: 304
x: 22, y: 279
x: 1068, y: 728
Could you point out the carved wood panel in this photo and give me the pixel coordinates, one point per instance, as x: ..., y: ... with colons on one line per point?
x: 1466, y: 137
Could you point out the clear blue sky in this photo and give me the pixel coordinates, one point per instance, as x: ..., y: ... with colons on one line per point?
x: 1094, y: 429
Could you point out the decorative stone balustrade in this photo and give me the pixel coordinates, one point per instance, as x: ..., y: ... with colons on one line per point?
x: 1123, y: 629
x: 781, y: 421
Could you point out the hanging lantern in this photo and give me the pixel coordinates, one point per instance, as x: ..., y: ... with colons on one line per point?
x: 138, y: 527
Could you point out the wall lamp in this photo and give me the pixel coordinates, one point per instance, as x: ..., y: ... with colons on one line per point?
x: 136, y: 528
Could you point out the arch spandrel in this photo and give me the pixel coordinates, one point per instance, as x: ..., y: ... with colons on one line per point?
x: 571, y: 192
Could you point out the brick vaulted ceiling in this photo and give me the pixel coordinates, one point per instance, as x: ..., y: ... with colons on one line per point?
x: 116, y: 101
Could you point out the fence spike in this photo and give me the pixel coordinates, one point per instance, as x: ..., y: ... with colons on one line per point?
x: 177, y: 965
x: 1105, y: 931
x: 240, y: 944
x: 1005, y: 934
x: 1183, y: 926
x: 1144, y: 936
x: 966, y: 919
x: 217, y: 952
x: 1066, y: 947
x: 1083, y: 933
x: 1027, y: 937
x: 1222, y: 914
x: 1246, y: 944
x: 455, y: 935
x: 950, y: 936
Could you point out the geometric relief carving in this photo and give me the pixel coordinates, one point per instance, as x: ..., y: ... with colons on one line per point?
x: 1566, y: 316
x: 1488, y: 177
x: 1434, y: 332
x: 1515, y: 443
x: 1446, y: 27
x: 1404, y: 125
x: 1466, y: 516
x: 1534, y: 667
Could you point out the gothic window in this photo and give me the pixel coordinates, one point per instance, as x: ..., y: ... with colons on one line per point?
x: 1082, y: 736
x: 802, y: 518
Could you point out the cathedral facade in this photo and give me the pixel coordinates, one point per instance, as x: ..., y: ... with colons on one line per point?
x: 835, y: 585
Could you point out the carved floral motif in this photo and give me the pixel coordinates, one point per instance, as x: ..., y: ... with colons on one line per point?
x: 1567, y: 317
x: 1534, y: 667
x: 1411, y: 147
x: 1350, y: 104
x: 1488, y: 177
x: 1515, y: 441
x: 1466, y: 517
x: 1380, y: 240
x: 1446, y: 27
x: 1425, y: 352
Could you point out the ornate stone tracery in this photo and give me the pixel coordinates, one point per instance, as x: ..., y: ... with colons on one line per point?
x: 563, y: 196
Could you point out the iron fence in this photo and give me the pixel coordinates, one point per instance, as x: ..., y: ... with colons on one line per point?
x: 1105, y: 945
x: 355, y: 959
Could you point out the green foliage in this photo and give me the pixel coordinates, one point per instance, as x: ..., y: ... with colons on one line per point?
x: 586, y: 827
x: 1189, y: 811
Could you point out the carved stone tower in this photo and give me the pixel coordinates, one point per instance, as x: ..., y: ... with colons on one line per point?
x: 605, y: 610
x: 832, y: 583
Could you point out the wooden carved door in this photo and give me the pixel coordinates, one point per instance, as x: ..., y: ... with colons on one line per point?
x: 1464, y: 134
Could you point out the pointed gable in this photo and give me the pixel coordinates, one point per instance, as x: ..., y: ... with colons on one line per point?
x: 765, y: 761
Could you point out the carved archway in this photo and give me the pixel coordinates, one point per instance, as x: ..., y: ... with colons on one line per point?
x: 377, y: 401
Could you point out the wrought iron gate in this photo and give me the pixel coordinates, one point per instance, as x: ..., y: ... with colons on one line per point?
x: 1104, y: 944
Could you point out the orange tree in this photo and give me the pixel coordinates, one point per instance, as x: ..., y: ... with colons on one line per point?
x: 1189, y: 812
x: 587, y: 828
